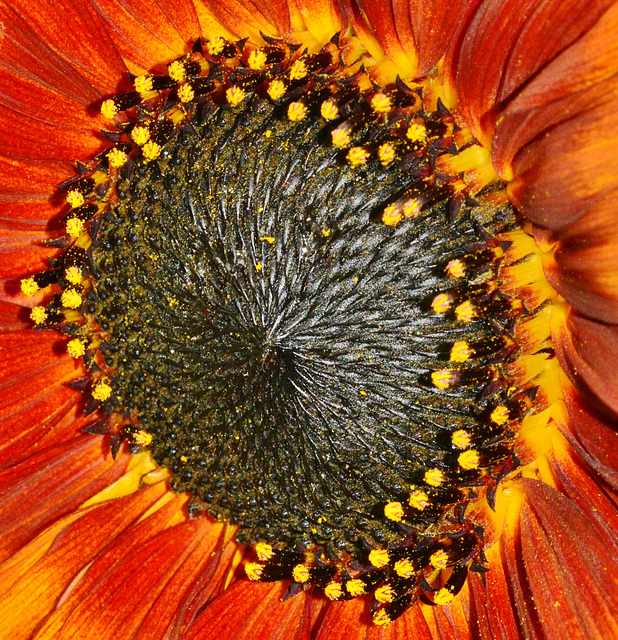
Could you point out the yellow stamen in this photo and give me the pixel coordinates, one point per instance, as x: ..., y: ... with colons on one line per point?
x: 117, y: 158
x: 443, y: 597
x: 384, y: 594
x: 418, y: 500
x: 411, y: 208
x: 186, y: 93
x: 461, y: 351
x: 461, y: 439
x: 296, y: 111
x: 29, y: 287
x: 434, y: 477
x: 394, y: 511
x: 404, y: 568
x: 381, y: 618
x: 386, y: 153
x: 257, y: 59
x: 142, y: 438
x: 264, y: 551
x: 101, y: 391
x: 381, y: 103
x: 469, y: 459
x: 176, y: 70
x: 71, y: 299
x: 75, y: 198
x: 329, y: 110
x: 442, y: 379
x: 333, y: 591
x: 151, y: 150
x: 38, y: 315
x: 500, y: 415
x: 143, y: 84
x: 439, y: 559
x: 235, y: 95
x: 341, y: 137
x: 109, y: 109
x: 76, y: 348
x: 441, y: 303
x: 417, y: 133
x: 216, y: 46
x: 253, y: 570
x: 355, y: 587
x: 300, y: 573
x: 392, y: 215
x: 357, y: 156
x: 378, y: 557
x: 73, y: 275
x: 276, y: 89
x: 456, y: 268
x: 140, y: 135
x: 298, y: 70
x: 74, y: 227
x: 465, y: 312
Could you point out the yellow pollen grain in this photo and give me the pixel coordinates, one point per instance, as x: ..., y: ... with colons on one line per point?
x: 258, y: 266
x: 357, y: 156
x: 411, y: 208
x: 333, y: 591
x: 101, y: 391
x: 443, y: 597
x: 268, y: 239
x: 418, y: 500
x: 38, y: 315
x: 381, y: 618
x: 329, y: 110
x: 216, y: 46
x: 276, y: 89
x: 355, y: 587
x: 404, y: 568
x: 379, y: 557
x: 264, y: 551
x: 29, y: 287
x: 76, y: 348
x: 469, y: 459
x: 235, y: 95
x: 71, y: 299
x: 176, y: 70
x: 394, y: 511
x: 384, y: 594
x: 434, y: 477
x: 296, y: 111
x: 143, y: 84
x: 300, y: 573
x: 268, y: 133
x: 75, y: 198
x: 341, y: 137
x: 151, y: 150
x: 257, y: 59
x: 74, y: 227
x: 253, y: 570
x: 417, y: 133
x: 298, y: 70
x: 186, y: 93
x: 461, y: 439
x: 442, y: 379
x: 381, y: 103
x: 117, y: 158
x: 461, y: 351
x: 456, y: 268
x: 392, y: 215
x: 441, y: 303
x: 140, y: 135
x: 465, y: 312
x: 109, y: 109
x: 439, y: 559
x: 500, y: 415
x: 386, y: 153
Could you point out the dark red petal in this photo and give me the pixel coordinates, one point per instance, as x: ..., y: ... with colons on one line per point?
x: 588, y: 353
x: 571, y: 571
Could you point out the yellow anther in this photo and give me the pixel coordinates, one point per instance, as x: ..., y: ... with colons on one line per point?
x: 357, y: 156
x: 216, y: 46
x: 101, y: 391
x: 140, y: 135
x: 469, y: 459
x: 186, y: 93
x: 75, y: 198
x: 76, y: 348
x: 456, y: 268
x: 143, y: 84
x: 73, y: 275
x: 381, y: 618
x: 329, y: 110
x: 404, y: 568
x: 38, y: 315
x: 394, y: 511
x: 381, y: 103
x: 276, y: 89
x: 29, y: 287
x: 417, y: 133
x: 418, y: 500
x: 443, y: 597
x: 296, y: 111
x: 268, y: 239
x: 442, y: 379
x: 117, y: 158
x: 253, y: 570
x: 142, y: 438
x: 379, y: 557
x: 386, y: 153
x: 235, y: 95
x: 300, y: 573
x: 392, y: 215
x: 439, y: 559
x: 109, y: 109
x: 465, y: 312
x: 264, y: 551
x: 384, y: 594
x: 411, y: 208
x: 355, y: 587
x: 461, y: 439
x: 434, y: 477
x: 74, y: 227
x: 257, y: 59
x: 441, y: 303
x: 333, y: 591
x: 176, y: 70
x: 298, y: 70
x: 71, y: 299
x: 500, y: 415
x: 461, y: 351
x: 151, y: 150
x: 341, y: 137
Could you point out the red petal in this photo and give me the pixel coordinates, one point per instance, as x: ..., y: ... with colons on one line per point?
x: 21, y: 252
x: 28, y: 180
x: 588, y: 353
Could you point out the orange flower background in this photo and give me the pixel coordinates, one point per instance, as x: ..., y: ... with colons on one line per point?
x: 93, y: 547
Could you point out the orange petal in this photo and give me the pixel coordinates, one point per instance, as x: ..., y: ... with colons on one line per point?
x: 21, y: 252
x: 322, y: 18
x: 29, y: 180
x: 588, y: 353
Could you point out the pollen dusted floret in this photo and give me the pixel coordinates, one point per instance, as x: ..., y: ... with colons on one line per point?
x: 38, y: 315
x: 76, y: 348
x: 101, y: 391
x: 29, y: 286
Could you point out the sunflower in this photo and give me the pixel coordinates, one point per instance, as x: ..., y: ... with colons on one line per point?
x: 502, y: 116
